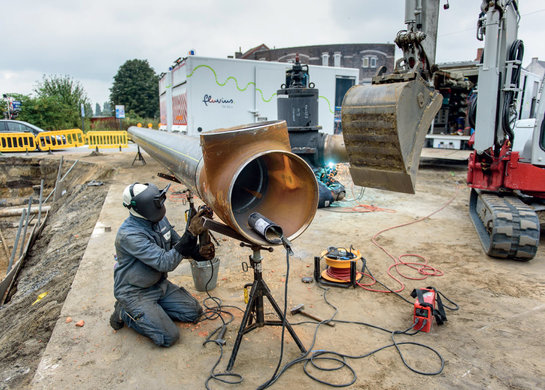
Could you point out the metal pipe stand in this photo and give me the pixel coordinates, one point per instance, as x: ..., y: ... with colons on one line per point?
x: 254, y: 316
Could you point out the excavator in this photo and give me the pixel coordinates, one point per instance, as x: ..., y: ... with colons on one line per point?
x: 385, y: 123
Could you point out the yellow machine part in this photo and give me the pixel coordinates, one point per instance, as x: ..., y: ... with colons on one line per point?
x: 384, y: 128
x: 341, y: 263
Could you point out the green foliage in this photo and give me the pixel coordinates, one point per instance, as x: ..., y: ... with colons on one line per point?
x: 4, y: 114
x: 107, y: 109
x: 46, y: 112
x: 64, y: 89
x: 106, y: 124
x: 98, y: 110
x: 136, y: 86
x: 88, y: 110
x: 4, y: 106
x: 56, y: 105
x: 132, y: 119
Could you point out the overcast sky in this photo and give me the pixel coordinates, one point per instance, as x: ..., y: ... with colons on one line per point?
x: 90, y: 39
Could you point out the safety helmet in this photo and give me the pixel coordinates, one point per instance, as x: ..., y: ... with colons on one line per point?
x: 145, y: 201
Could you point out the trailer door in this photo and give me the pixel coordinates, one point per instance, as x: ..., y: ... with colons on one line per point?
x: 342, y: 85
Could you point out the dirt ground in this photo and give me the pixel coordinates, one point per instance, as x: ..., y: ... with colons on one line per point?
x: 50, y: 266
x: 493, y: 341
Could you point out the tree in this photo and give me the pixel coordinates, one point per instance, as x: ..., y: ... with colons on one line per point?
x: 58, y: 103
x: 107, y: 109
x: 98, y: 111
x: 64, y: 89
x: 47, y: 112
x: 88, y: 110
x: 136, y: 87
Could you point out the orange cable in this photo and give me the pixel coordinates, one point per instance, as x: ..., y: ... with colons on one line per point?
x: 422, y: 267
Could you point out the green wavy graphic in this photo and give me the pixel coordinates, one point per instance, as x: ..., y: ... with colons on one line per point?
x: 328, y: 103
x: 236, y: 82
x: 247, y: 85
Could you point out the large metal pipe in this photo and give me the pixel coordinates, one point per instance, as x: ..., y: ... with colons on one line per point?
x: 238, y: 171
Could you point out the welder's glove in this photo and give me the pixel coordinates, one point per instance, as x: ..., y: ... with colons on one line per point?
x: 196, y: 226
x: 203, y: 252
x: 187, y: 244
x: 207, y: 251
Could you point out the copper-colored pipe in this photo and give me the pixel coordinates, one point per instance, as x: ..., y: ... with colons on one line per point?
x: 238, y: 171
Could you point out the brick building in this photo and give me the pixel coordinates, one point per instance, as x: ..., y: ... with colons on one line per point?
x: 367, y: 57
x: 536, y: 66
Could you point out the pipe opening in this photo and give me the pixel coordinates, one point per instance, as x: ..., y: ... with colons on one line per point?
x: 280, y: 186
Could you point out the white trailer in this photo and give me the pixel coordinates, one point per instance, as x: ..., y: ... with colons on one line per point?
x: 202, y: 93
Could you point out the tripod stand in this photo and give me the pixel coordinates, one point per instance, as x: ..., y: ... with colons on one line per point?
x: 138, y: 157
x: 254, y: 308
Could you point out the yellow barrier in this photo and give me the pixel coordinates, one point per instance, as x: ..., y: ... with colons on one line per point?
x: 73, y: 137
x: 107, y: 139
x: 60, y: 139
x: 17, y: 142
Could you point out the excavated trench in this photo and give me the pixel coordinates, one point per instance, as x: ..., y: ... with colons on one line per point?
x: 19, y: 181
x: 51, y: 263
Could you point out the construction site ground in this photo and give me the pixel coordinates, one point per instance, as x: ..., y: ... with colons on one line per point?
x: 494, y: 341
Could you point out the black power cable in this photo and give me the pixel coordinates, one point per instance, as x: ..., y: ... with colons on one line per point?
x: 316, y: 355
x: 472, y: 111
x: 312, y: 357
x: 516, y: 53
x: 213, y: 313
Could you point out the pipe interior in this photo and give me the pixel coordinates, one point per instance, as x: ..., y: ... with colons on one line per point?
x: 281, y: 187
x: 250, y: 184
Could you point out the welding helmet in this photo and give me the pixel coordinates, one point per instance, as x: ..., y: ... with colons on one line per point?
x: 145, y: 201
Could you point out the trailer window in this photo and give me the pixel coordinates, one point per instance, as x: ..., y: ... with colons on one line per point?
x: 342, y: 85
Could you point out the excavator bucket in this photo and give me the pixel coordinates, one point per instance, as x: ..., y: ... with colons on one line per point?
x: 384, y: 128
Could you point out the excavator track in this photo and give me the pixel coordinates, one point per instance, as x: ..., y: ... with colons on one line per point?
x: 507, y: 227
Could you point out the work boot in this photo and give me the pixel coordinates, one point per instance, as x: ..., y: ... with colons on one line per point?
x: 115, y: 319
x: 199, y: 314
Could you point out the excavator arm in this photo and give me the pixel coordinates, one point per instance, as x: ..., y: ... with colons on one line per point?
x: 385, y: 123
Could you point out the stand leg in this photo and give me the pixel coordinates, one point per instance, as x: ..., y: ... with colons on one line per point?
x: 255, y: 305
x: 281, y: 316
x: 245, y: 321
x: 138, y: 157
x: 254, y: 308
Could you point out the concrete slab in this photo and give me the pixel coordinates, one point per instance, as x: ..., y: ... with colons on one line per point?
x: 445, y: 154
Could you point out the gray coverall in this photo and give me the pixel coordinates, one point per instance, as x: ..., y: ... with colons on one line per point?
x: 148, y: 300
